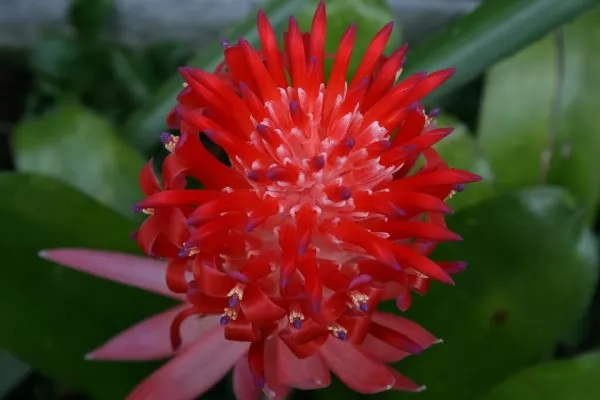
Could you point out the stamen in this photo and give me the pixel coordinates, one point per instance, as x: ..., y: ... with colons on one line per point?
x: 296, y: 317
x: 237, y: 292
x: 360, y: 300
x: 170, y: 141
x: 338, y: 331
x: 457, y: 189
x: 229, y: 315
x: 187, y: 251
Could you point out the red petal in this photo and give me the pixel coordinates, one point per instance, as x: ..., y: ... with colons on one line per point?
x: 238, y: 67
x: 318, y: 34
x: 386, y: 77
x: 141, y: 272
x: 176, y: 275
x: 256, y: 362
x: 148, y: 180
x: 149, y: 339
x: 296, y: 54
x: 429, y: 84
x: 359, y: 372
x: 266, y: 86
x: 206, y: 304
x: 337, y: 78
x: 357, y: 327
x: 270, y: 50
x: 412, y: 229
x: 175, y: 331
x: 374, y: 50
x: 241, y: 331
x: 305, y: 349
x: 404, y: 300
x: 258, y: 307
x: 212, y: 281
x: 404, y: 384
x: 244, y: 387
x: 381, y: 350
x: 182, y: 197
x: 307, y: 373
x: 395, y: 339
x: 205, y: 167
x: 193, y: 372
x: 406, y: 327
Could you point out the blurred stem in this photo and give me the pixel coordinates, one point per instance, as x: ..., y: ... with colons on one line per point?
x: 496, y: 29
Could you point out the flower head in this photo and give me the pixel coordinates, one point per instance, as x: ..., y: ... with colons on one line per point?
x: 205, y: 356
x: 318, y: 214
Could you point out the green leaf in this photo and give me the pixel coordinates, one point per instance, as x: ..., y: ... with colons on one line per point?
x: 57, y: 315
x: 67, y: 67
x: 144, y: 125
x: 52, y: 56
x: 496, y: 29
x: 531, y: 274
x: 132, y: 73
x: 12, y: 372
x: 165, y: 57
x: 539, y: 108
x: 516, y: 113
x: 576, y: 378
x: 577, y: 144
x: 89, y: 17
x: 80, y: 148
x: 460, y: 150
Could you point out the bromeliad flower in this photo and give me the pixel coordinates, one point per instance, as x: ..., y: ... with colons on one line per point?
x: 319, y: 212
x: 205, y: 355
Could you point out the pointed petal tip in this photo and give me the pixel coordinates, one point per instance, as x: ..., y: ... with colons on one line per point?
x: 455, y: 237
x: 89, y: 357
x: 43, y: 254
x: 447, y: 72
x: 321, y: 7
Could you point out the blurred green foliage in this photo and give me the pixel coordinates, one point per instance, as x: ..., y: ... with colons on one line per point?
x: 86, y: 67
x: 548, y: 95
x: 97, y: 108
x: 576, y: 378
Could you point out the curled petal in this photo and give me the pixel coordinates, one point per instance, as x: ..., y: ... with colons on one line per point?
x: 149, y: 339
x: 258, y: 307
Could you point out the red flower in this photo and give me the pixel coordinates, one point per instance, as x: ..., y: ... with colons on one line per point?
x: 205, y: 356
x: 318, y: 213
